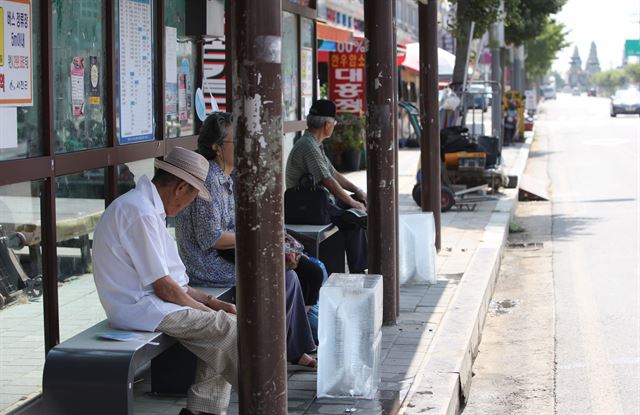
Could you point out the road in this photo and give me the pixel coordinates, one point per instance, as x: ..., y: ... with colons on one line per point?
x: 593, y: 165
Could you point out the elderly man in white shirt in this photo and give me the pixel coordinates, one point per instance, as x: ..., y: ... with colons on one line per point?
x: 142, y: 283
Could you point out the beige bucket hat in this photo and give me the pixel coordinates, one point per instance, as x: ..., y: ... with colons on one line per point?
x: 189, y: 166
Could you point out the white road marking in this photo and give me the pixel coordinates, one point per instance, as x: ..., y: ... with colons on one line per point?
x: 606, y: 142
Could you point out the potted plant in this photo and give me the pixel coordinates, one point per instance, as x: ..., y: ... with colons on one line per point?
x: 351, y: 133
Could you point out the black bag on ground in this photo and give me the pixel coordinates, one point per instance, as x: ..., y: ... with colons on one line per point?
x: 307, y: 204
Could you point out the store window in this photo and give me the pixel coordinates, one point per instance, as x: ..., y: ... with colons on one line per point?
x: 307, y: 63
x: 79, y: 75
x: 21, y: 312
x: 180, y: 72
x: 290, y: 65
x: 21, y: 135
x: 79, y: 205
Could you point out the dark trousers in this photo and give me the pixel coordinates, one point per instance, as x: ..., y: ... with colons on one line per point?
x: 355, y: 239
x: 310, y: 276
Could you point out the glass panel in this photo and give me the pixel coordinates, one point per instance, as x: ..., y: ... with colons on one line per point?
x: 21, y: 313
x: 29, y: 130
x: 130, y: 173
x: 290, y: 66
x: 79, y: 205
x: 79, y: 75
x: 179, y: 79
x: 307, y: 35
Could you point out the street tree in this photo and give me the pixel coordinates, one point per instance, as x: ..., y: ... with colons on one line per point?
x: 632, y: 72
x: 472, y: 19
x: 527, y: 19
x: 542, y: 50
x: 610, y: 80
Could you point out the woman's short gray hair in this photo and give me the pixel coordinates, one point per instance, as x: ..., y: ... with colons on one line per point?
x: 317, y: 121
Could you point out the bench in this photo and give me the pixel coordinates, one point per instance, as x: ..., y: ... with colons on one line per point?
x: 324, y: 242
x: 89, y: 375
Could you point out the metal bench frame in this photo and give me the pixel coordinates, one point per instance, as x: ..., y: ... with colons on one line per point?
x: 89, y: 375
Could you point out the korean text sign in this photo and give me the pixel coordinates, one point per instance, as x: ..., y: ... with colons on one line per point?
x: 347, y: 77
x: 15, y: 53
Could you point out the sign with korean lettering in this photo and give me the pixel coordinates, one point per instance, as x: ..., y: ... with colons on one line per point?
x: 347, y: 77
x: 15, y: 53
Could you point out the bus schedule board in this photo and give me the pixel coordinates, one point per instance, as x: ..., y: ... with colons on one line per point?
x: 15, y: 53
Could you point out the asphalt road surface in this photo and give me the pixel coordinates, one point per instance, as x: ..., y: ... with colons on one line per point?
x: 593, y: 167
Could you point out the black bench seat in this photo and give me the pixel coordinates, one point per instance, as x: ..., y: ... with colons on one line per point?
x: 90, y: 375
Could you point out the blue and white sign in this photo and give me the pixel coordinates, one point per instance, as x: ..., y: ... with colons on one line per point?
x: 135, y: 71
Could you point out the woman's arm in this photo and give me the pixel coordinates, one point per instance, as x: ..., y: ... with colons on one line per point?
x: 226, y: 241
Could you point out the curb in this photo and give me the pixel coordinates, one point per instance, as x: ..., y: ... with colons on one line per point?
x: 444, y: 378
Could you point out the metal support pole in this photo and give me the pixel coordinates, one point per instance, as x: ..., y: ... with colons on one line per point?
x: 381, y: 141
x: 396, y: 90
x: 430, y: 140
x: 496, y: 90
x: 256, y: 34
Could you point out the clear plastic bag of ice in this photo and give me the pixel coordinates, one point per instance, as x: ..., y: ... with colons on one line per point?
x: 417, y: 260
x: 350, y: 334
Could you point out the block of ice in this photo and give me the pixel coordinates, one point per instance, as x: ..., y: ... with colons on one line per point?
x: 417, y: 233
x: 350, y: 334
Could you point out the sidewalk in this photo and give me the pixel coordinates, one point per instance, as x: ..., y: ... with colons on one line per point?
x: 409, y: 348
x: 424, y: 311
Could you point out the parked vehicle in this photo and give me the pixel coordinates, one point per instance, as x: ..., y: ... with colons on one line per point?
x: 575, y: 91
x: 548, y: 92
x: 592, y: 92
x: 476, y: 97
x: 488, y: 90
x: 625, y: 101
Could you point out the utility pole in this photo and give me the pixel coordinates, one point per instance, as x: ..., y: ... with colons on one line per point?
x: 495, y: 40
x: 256, y: 35
x: 429, y: 115
x: 381, y: 143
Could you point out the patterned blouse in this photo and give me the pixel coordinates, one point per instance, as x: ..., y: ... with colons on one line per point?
x: 200, y: 226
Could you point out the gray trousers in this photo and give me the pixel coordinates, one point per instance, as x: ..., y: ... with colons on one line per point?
x: 212, y: 337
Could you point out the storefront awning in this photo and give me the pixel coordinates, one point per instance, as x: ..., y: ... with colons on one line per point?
x: 333, y: 33
x: 411, y: 60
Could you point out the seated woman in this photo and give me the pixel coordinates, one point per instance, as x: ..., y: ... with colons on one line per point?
x: 204, y: 231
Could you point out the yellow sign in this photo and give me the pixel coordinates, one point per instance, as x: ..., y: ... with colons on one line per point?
x: 1, y: 36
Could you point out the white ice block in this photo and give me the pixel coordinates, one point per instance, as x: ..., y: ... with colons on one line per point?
x: 417, y: 248
x: 350, y: 334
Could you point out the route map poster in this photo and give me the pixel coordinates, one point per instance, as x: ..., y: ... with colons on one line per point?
x: 135, y: 71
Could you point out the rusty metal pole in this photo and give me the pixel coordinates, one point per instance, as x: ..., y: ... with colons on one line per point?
x: 430, y: 140
x: 381, y: 141
x: 396, y: 90
x: 256, y: 33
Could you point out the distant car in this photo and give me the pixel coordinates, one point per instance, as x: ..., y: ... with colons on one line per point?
x: 592, y: 92
x: 476, y: 97
x: 625, y: 101
x: 489, y: 91
x: 548, y: 92
x: 575, y: 91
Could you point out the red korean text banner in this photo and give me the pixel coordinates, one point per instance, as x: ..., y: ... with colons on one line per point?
x: 347, y: 77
